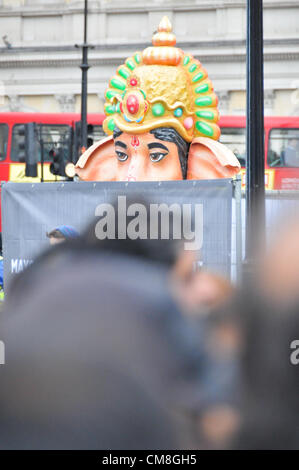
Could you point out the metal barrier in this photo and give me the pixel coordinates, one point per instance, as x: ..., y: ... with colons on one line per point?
x: 31, y: 210
x: 280, y: 206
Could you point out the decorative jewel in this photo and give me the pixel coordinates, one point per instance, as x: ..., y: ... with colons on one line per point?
x: 206, y: 114
x: 110, y: 94
x: 204, y: 128
x: 202, y: 88
x: 110, y: 109
x: 188, y: 123
x: 133, y: 81
x: 192, y: 68
x: 158, y: 109
x: 117, y: 83
x: 178, y: 112
x: 204, y: 101
x: 117, y: 107
x: 130, y: 64
x: 132, y: 104
x: 199, y: 76
x: 124, y: 73
x: 111, y: 124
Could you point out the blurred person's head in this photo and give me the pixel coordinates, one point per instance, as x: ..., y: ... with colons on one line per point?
x: 62, y: 233
x: 198, y: 290
x: 98, y: 358
x: 278, y: 274
x: 159, y: 250
x: 195, y: 290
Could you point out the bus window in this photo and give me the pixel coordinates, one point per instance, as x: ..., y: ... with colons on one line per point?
x: 94, y: 133
x: 98, y: 133
x: 235, y: 139
x: 3, y: 140
x: 283, y: 148
x: 17, y: 151
x: 54, y: 136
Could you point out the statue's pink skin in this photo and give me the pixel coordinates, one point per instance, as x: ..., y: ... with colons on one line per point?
x: 140, y: 152
x: 207, y: 159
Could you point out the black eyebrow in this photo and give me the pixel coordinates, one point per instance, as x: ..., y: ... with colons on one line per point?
x: 154, y: 145
x: 120, y: 144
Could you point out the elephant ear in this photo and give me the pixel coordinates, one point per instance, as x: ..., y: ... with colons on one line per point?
x: 209, y: 159
x: 98, y: 162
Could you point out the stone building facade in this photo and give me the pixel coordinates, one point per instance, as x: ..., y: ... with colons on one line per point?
x: 39, y: 63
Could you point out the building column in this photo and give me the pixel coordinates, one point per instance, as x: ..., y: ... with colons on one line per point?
x: 15, y: 103
x: 66, y: 103
x: 269, y: 97
x: 223, y: 101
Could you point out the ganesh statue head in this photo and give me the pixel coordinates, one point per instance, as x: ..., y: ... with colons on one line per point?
x: 161, y: 120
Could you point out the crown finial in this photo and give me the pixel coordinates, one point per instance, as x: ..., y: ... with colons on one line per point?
x: 165, y: 25
x: 164, y: 36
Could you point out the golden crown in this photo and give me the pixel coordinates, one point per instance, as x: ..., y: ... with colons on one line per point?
x: 162, y: 87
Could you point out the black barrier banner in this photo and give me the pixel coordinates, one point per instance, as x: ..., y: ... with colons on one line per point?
x: 197, y: 212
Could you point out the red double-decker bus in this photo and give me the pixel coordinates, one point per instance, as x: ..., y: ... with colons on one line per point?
x: 281, y: 148
x: 57, y: 130
x: 281, y: 144
x: 60, y: 130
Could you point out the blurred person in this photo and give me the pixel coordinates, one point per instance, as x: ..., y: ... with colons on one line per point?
x: 290, y: 153
x: 213, y: 385
x: 156, y: 250
x: 197, y: 293
x: 266, y: 311
x: 269, y: 406
x: 98, y: 358
x: 195, y: 290
x: 62, y: 233
x: 1, y: 271
x: 198, y: 290
x: 219, y: 420
x: 257, y: 334
x: 277, y: 275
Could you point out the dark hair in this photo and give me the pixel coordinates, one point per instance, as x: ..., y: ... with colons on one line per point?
x: 168, y: 134
x: 162, y: 251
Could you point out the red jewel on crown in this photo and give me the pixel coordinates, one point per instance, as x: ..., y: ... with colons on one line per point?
x: 133, y: 81
x: 132, y: 104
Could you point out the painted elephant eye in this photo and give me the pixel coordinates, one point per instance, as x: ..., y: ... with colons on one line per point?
x: 121, y: 156
x: 157, y: 156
